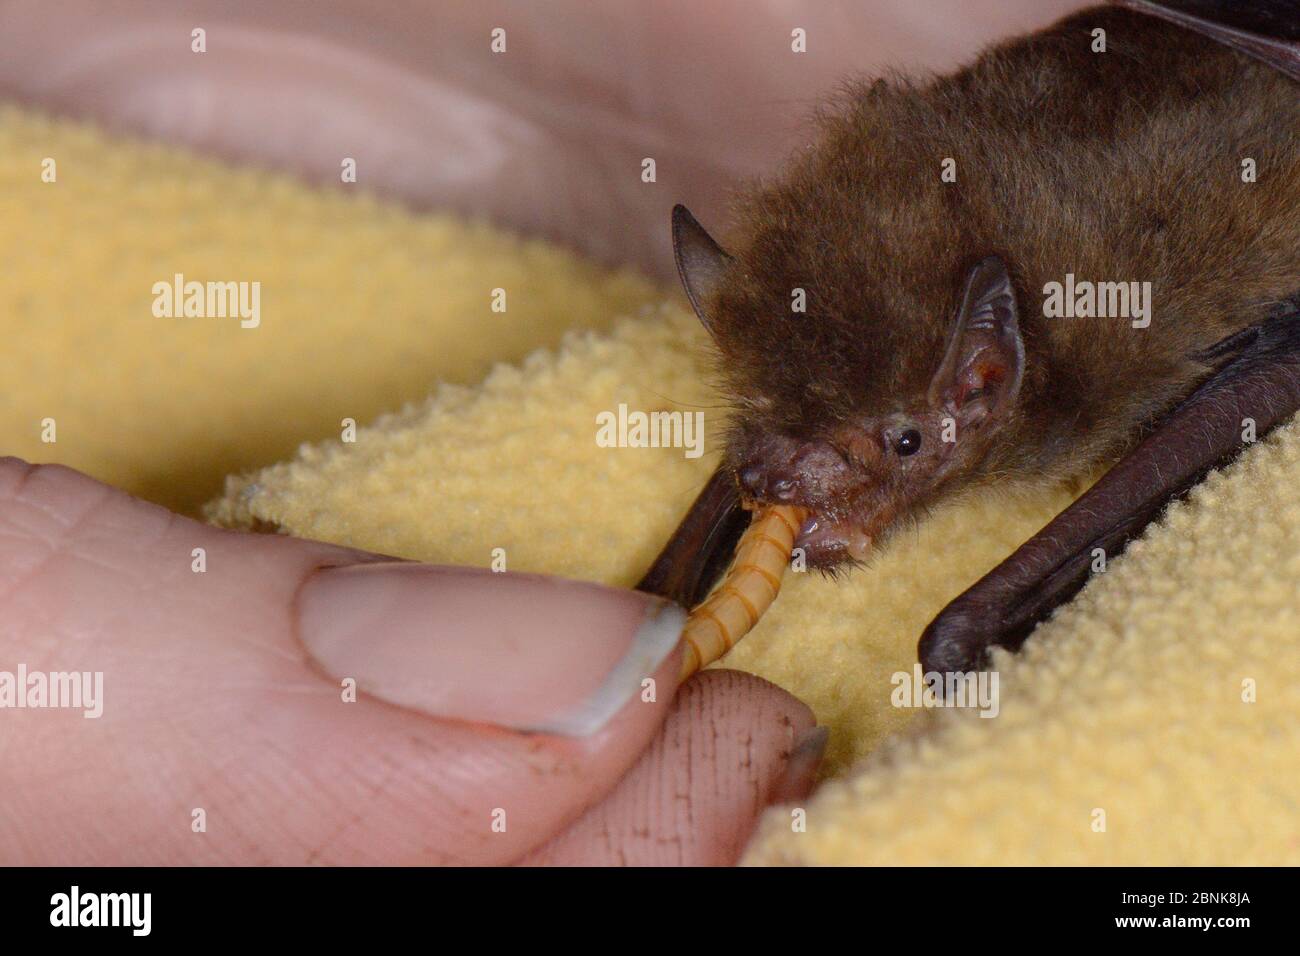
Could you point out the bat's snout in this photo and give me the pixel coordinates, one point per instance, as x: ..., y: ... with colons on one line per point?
x: 784, y: 471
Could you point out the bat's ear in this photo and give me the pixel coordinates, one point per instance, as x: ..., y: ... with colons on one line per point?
x: 701, y: 262
x: 985, y: 359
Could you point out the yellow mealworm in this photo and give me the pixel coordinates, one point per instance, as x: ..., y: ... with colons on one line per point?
x: 751, y: 584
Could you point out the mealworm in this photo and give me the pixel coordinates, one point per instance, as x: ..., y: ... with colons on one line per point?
x: 751, y: 584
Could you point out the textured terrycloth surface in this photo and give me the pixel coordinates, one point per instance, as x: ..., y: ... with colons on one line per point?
x: 514, y: 464
x: 363, y: 306
x: 1134, y: 700
x: 1130, y: 701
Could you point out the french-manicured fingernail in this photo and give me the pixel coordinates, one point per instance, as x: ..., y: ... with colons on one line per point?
x: 800, y: 774
x: 517, y: 650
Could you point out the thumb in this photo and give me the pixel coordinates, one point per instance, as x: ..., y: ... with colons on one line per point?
x: 228, y: 732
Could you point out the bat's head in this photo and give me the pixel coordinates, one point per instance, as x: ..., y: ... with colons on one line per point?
x: 866, y: 404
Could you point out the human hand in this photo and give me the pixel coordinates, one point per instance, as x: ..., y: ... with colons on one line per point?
x: 223, y: 702
x: 547, y: 138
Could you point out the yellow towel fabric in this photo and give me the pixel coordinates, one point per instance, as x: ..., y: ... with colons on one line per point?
x: 1152, y: 721
x: 363, y: 306
x: 514, y: 464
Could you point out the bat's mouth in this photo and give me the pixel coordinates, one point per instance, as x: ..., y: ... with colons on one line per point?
x: 828, y: 541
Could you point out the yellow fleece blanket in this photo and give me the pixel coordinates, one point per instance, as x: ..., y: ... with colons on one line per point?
x: 362, y: 307
x: 1153, y: 720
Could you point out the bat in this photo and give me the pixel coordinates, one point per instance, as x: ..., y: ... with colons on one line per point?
x: 1082, y: 249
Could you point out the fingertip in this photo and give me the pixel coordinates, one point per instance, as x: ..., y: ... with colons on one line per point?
x: 695, y: 796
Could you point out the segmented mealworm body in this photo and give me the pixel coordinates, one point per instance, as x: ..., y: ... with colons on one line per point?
x: 750, y: 585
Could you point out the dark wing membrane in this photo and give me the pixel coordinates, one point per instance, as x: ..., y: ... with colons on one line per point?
x: 1266, y: 29
x: 1258, y: 379
x: 699, y: 551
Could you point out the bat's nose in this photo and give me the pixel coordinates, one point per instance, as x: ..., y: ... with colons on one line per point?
x: 751, y: 479
x: 806, y: 466
x: 762, y: 485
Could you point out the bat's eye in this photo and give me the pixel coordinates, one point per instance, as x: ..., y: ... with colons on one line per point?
x: 908, y: 443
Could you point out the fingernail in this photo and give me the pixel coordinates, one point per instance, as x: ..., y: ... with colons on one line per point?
x: 521, y: 651
x: 800, y: 774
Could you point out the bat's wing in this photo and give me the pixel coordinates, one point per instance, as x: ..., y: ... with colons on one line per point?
x: 1257, y: 378
x: 701, y: 548
x: 1266, y: 29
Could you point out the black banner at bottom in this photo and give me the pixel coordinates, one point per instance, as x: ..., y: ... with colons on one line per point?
x: 216, y: 905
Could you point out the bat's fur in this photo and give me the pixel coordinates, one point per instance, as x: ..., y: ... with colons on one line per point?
x: 1116, y: 166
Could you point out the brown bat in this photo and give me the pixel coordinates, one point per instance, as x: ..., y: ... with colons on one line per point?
x: 1056, y: 258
